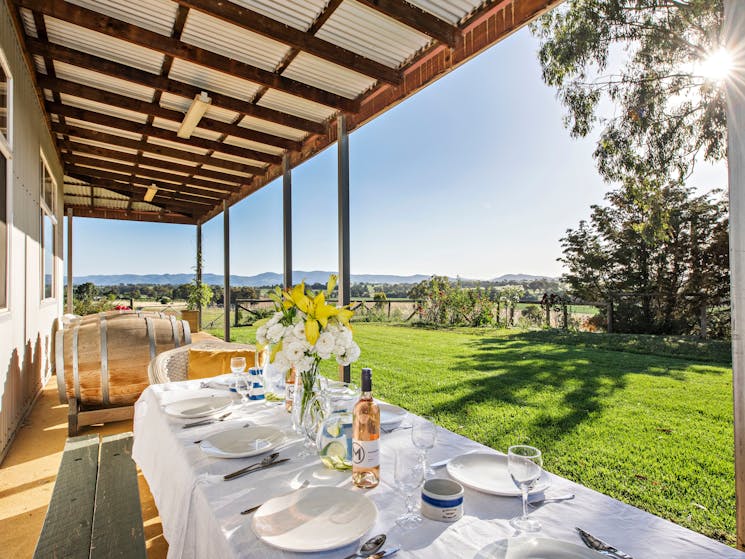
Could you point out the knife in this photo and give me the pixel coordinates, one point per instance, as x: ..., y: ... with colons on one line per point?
x: 600, y: 546
x: 254, y: 468
x: 205, y: 421
x: 384, y: 553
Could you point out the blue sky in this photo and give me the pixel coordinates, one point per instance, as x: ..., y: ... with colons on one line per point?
x: 473, y: 176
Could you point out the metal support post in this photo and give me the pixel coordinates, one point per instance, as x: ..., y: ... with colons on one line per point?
x: 287, y: 220
x: 199, y: 274
x: 226, y: 266
x: 343, y: 177
x: 69, y: 261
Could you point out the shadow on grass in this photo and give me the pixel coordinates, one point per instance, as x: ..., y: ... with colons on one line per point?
x: 561, y: 385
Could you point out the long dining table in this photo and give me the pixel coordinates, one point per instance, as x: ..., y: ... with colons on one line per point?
x: 201, y: 512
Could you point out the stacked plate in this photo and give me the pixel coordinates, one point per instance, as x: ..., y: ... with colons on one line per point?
x: 488, y: 473
x: 242, y: 442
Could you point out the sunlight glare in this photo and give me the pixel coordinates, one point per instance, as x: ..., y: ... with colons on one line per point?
x: 717, y: 66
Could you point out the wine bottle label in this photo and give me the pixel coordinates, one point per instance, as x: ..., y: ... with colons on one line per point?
x: 290, y: 392
x: 366, y: 454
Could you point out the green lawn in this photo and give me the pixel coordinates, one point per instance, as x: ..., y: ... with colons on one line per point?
x: 646, y: 420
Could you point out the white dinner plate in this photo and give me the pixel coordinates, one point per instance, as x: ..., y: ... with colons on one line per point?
x: 536, y: 548
x: 488, y: 473
x: 390, y: 415
x: 241, y: 442
x: 198, y: 407
x: 314, y: 519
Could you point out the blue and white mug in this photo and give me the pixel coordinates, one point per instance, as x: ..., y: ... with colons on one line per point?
x: 442, y: 500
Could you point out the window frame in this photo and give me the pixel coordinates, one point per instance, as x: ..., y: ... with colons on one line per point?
x: 6, y: 149
x: 47, y: 212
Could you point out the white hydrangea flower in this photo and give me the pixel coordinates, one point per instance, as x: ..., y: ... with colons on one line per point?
x: 299, y: 330
x: 276, y: 317
x: 294, y: 352
x: 325, y: 345
x: 281, y: 362
x: 261, y: 334
x: 305, y: 364
x: 350, y: 354
x: 275, y: 333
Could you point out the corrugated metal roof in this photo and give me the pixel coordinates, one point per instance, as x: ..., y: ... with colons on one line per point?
x: 103, y: 46
x: 28, y: 23
x: 72, y: 181
x: 212, y: 80
x: 178, y: 103
x: 297, y: 106
x: 102, y: 81
x: 97, y: 157
x: 174, y: 126
x: 249, y: 144
x: 41, y: 66
x: 452, y: 11
x: 144, y: 207
x: 101, y: 128
x: 155, y: 15
x: 370, y: 34
x: 221, y: 170
x: 170, y: 144
x: 237, y: 181
x: 320, y: 73
x: 299, y: 14
x: 235, y: 158
x: 232, y: 41
x: 102, y: 108
x: 179, y: 173
x: 104, y: 145
x: 271, y: 128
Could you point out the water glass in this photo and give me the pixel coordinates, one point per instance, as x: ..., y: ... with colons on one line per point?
x: 525, y: 464
x: 408, y: 475
x: 237, y: 366
x: 424, y: 435
x: 243, y: 386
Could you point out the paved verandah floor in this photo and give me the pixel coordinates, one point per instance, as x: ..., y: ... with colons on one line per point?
x: 28, y: 472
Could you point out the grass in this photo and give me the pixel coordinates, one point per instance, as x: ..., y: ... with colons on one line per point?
x: 644, y: 419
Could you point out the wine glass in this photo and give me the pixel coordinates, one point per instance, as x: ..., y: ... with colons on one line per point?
x: 408, y: 474
x: 423, y: 435
x: 237, y: 366
x: 243, y: 386
x: 525, y: 464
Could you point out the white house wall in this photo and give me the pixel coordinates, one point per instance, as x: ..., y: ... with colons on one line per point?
x: 25, y: 327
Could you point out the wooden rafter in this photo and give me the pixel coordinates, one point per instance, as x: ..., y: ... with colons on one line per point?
x: 167, y: 85
x: 101, y: 23
x: 103, y: 137
x: 416, y: 18
x: 162, y: 198
x: 130, y: 215
x: 155, y: 110
x: 306, y: 42
x: 155, y: 132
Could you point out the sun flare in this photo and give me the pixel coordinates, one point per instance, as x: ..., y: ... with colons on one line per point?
x: 717, y: 66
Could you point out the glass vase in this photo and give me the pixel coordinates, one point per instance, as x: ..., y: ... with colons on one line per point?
x: 307, y: 386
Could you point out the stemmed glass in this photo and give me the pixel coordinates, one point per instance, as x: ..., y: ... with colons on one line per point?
x: 237, y: 366
x: 243, y: 386
x: 408, y: 474
x: 423, y: 435
x: 525, y: 464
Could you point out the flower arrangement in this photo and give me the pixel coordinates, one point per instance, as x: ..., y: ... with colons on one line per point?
x: 304, y: 330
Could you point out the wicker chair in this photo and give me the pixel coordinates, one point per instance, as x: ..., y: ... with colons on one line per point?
x: 173, y: 365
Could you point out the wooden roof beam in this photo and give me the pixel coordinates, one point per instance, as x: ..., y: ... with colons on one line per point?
x: 152, y: 162
x: 184, y: 201
x: 167, y: 85
x: 155, y: 132
x: 136, y: 194
x: 103, y: 137
x: 130, y: 215
x: 416, y: 18
x: 151, y: 174
x: 101, y: 23
x: 74, y: 170
x: 306, y: 42
x: 154, y: 109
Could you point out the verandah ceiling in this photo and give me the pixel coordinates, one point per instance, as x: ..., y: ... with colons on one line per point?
x: 116, y: 76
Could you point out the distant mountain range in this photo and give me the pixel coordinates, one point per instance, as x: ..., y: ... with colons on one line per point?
x: 267, y: 278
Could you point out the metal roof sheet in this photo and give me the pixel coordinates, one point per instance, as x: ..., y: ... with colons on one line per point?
x: 28, y: 23
x: 249, y: 144
x: 326, y: 75
x: 101, y: 45
x: 219, y: 182
x: 104, y: 145
x: 297, y: 106
x: 212, y: 80
x: 111, y: 110
x: 371, y: 34
x: 155, y: 15
x: 220, y: 169
x: 452, y: 11
x: 235, y: 158
x: 153, y: 168
x: 102, y: 81
x: 102, y: 128
x: 232, y: 41
x: 174, y: 126
x: 299, y: 14
x: 96, y: 156
x: 176, y: 145
x: 267, y: 127
x: 41, y: 66
x: 178, y: 103
x: 144, y: 207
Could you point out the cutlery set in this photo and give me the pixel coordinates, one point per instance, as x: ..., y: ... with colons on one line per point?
x: 600, y: 546
x: 207, y: 421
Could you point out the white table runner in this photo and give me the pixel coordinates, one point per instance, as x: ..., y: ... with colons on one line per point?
x: 201, y: 513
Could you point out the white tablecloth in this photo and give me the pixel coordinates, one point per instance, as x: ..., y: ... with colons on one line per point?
x: 201, y: 513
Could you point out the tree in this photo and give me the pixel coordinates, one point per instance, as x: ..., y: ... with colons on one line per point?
x: 668, y: 106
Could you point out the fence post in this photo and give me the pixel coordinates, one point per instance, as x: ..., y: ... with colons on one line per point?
x: 548, y: 315
x: 389, y: 309
x: 565, y: 312
x: 610, y: 316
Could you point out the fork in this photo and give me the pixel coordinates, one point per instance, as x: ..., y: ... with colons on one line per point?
x: 303, y: 485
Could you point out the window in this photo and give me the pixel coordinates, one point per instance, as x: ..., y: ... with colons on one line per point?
x: 5, y: 160
x: 48, y: 202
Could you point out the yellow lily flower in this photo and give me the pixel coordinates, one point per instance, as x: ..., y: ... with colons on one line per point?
x: 275, y: 350
x: 343, y: 315
x: 331, y: 284
x: 324, y: 312
x: 301, y: 300
x: 312, y: 330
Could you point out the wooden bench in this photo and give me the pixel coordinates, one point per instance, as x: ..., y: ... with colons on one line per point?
x: 95, y: 507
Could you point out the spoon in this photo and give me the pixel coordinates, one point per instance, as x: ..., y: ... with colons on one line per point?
x: 259, y: 465
x: 369, y: 547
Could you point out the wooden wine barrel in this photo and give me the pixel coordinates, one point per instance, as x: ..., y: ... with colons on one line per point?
x: 103, y: 362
